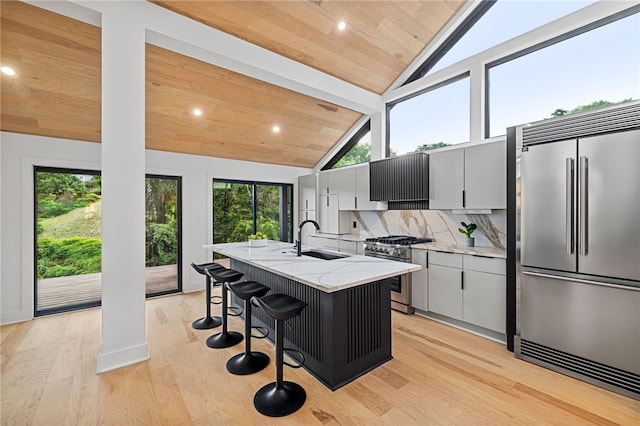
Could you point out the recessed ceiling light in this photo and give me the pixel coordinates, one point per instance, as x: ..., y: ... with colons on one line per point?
x: 7, y: 71
x: 276, y: 129
x: 342, y: 25
x: 197, y: 112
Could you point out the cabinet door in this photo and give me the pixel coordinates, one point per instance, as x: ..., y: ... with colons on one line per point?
x: 485, y: 176
x: 420, y: 280
x: 484, y: 300
x: 307, y: 192
x: 445, y: 292
x: 362, y: 189
x: 446, y: 179
x: 348, y: 246
x: 323, y: 183
x: 328, y: 213
x: 343, y: 183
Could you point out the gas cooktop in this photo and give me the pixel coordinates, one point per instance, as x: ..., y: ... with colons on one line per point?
x: 403, y: 240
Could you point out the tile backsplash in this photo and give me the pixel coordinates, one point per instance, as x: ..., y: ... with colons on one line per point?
x: 442, y: 225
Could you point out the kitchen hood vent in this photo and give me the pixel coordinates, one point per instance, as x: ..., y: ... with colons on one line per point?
x: 607, y: 120
x: 403, y: 181
x: 610, y: 378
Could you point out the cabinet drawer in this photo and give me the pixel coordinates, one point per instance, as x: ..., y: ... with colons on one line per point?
x: 348, y: 246
x: 453, y: 260
x: 485, y: 264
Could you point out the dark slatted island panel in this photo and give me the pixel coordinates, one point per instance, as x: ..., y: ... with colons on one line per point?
x: 342, y: 334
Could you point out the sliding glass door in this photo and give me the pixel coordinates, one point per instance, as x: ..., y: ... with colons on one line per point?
x: 163, y: 235
x: 68, y: 245
x: 68, y: 221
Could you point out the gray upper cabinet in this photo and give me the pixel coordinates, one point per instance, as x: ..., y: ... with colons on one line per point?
x: 307, y: 192
x: 469, y: 178
x: 351, y: 184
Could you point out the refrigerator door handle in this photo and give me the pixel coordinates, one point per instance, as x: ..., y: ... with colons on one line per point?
x: 569, y: 209
x: 584, y: 206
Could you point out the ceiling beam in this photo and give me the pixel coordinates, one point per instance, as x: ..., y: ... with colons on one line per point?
x: 183, y: 35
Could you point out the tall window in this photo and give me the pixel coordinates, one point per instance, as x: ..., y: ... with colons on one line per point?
x: 503, y: 21
x: 244, y: 208
x: 593, y: 69
x: 431, y: 119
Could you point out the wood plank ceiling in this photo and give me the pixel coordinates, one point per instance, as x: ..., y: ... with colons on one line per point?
x: 57, y: 90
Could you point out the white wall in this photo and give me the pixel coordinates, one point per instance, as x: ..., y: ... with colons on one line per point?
x: 19, y: 153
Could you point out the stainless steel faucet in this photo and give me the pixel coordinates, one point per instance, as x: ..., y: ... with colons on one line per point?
x: 299, y: 241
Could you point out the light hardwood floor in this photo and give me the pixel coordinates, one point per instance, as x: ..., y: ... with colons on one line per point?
x: 439, y: 375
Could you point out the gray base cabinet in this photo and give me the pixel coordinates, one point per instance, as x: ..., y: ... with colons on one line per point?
x: 468, y: 288
x: 420, y: 280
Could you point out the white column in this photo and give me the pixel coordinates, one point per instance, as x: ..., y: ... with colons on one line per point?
x: 378, y: 123
x: 123, y: 190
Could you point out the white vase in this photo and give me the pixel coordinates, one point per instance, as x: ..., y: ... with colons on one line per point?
x: 469, y: 242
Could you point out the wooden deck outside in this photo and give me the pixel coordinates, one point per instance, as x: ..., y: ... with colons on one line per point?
x: 80, y: 289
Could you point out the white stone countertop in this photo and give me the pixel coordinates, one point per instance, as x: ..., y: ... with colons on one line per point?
x: 452, y: 248
x: 325, y: 275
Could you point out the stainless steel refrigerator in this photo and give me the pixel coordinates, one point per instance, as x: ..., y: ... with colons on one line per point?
x: 578, y: 235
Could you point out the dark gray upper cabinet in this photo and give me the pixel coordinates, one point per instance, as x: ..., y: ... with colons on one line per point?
x: 402, y: 180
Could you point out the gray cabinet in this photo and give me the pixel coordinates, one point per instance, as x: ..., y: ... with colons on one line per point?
x: 307, y: 192
x: 468, y: 288
x: 445, y: 284
x: 420, y: 280
x: 469, y: 178
x: 330, y: 218
x: 351, y: 184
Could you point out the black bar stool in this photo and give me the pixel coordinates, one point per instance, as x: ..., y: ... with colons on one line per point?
x: 280, y: 398
x: 248, y: 362
x: 225, y: 338
x: 208, y: 321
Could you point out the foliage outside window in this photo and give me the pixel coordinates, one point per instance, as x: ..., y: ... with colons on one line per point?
x: 360, y: 153
x: 244, y: 208
x: 589, y: 71
x: 432, y: 119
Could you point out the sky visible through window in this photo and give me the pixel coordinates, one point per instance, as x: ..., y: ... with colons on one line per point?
x: 611, y: 54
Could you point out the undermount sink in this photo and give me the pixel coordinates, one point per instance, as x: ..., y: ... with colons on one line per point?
x: 323, y: 255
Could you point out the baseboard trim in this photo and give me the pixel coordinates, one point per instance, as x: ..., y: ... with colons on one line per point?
x: 122, y: 358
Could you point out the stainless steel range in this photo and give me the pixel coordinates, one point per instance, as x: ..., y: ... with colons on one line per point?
x: 398, y: 248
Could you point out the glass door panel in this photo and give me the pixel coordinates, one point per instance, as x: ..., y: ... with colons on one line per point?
x: 68, y: 246
x: 162, y: 231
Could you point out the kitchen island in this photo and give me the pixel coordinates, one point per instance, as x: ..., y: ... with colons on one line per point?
x: 345, y: 330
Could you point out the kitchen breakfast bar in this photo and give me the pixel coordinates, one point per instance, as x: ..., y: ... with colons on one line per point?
x: 345, y: 330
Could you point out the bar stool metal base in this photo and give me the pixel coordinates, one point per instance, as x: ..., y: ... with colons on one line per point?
x: 277, y: 402
x: 224, y: 339
x: 207, y: 323
x: 250, y: 363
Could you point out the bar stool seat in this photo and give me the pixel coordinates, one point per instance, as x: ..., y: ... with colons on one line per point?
x: 280, y: 398
x: 225, y: 338
x: 207, y: 321
x: 250, y: 361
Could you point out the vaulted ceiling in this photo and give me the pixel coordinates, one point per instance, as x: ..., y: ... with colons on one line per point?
x: 57, y: 90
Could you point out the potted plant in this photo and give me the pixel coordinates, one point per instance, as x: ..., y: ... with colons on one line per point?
x: 257, y: 240
x: 468, y: 230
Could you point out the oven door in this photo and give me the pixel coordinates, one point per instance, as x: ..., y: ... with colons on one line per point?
x: 401, y: 293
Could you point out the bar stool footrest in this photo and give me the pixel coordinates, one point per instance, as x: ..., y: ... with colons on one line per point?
x: 216, y: 299
x: 263, y: 332
x: 234, y: 311
x: 289, y: 352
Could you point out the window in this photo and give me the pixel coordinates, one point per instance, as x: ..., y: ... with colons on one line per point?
x: 592, y: 69
x: 492, y: 23
x: 357, y: 150
x: 244, y: 208
x: 437, y: 117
